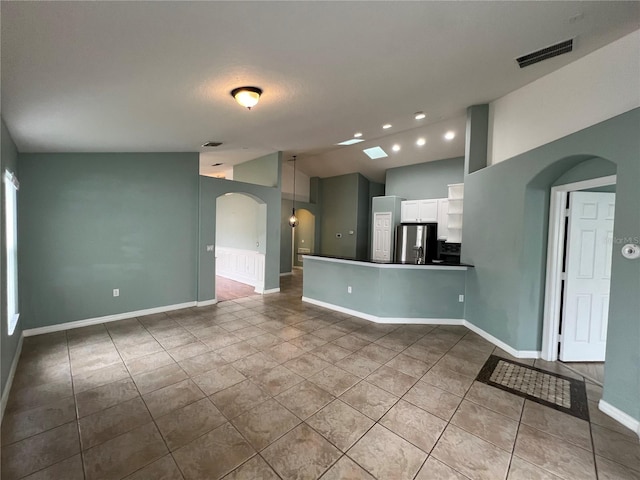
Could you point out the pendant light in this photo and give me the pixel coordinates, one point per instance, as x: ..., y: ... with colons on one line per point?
x: 293, y: 220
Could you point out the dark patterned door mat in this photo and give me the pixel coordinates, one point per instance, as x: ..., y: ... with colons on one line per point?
x: 556, y: 391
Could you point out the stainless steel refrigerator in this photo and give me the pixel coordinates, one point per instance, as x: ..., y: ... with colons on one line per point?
x: 416, y: 242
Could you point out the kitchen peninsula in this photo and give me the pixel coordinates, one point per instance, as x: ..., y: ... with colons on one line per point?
x: 431, y: 293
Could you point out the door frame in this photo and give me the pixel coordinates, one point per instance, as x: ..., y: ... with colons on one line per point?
x: 555, y: 256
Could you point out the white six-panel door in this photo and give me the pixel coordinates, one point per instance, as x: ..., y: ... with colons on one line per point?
x: 587, y: 276
x: 382, y: 236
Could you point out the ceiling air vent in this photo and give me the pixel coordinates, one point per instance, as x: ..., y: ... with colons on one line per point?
x: 544, y: 53
x: 212, y: 144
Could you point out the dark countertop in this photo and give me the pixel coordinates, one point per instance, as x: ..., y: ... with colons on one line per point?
x: 428, y: 264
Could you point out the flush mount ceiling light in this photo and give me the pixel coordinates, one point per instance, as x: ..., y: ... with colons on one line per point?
x: 450, y: 135
x: 396, y: 148
x: 421, y: 141
x: 387, y: 126
x: 357, y: 134
x: 419, y: 115
x: 247, y: 96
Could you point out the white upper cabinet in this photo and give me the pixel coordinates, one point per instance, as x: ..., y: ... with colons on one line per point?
x: 419, y: 211
x: 454, y: 214
x: 443, y: 218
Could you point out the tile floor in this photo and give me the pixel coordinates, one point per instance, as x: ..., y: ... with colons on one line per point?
x: 269, y: 387
x: 227, y: 289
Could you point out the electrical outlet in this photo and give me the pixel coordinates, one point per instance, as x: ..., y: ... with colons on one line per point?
x: 349, y: 289
x: 461, y: 298
x: 116, y: 292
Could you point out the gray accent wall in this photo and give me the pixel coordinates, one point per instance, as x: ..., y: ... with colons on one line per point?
x: 92, y: 222
x: 505, y: 236
x: 285, y: 231
x: 9, y: 343
x: 424, y: 180
x: 265, y: 171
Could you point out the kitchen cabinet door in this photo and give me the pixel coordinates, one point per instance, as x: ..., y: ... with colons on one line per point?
x: 428, y: 210
x: 409, y: 211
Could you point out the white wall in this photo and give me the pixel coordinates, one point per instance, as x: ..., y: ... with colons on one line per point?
x: 302, y: 183
x: 594, y: 88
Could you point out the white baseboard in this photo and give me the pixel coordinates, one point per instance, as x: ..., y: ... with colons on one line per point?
x: 499, y: 343
x: 428, y: 321
x: 206, y: 303
x: 271, y: 290
x: 376, y: 319
x: 286, y: 274
x: 107, y: 318
x: 236, y: 277
x: 12, y: 373
x: 619, y: 416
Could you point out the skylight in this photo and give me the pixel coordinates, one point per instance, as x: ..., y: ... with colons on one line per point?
x: 375, y: 152
x: 351, y: 141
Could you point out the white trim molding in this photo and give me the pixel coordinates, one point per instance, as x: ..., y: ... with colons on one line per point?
x: 206, y: 303
x: 107, y: 318
x: 619, y: 416
x: 244, y: 266
x: 12, y: 373
x: 285, y: 274
x: 270, y: 291
x: 555, y: 253
x: 428, y: 321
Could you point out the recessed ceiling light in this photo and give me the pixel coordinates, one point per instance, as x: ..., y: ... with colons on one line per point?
x: 375, y: 152
x: 450, y: 135
x: 387, y: 126
x: 421, y: 141
x: 419, y: 115
x: 351, y: 141
x: 357, y: 134
x: 396, y: 148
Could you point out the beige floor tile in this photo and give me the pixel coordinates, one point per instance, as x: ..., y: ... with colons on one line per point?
x: 448, y: 380
x: 69, y: 469
x: 433, y: 400
x: 334, y: 380
x: 185, y: 424
x: 249, y: 332
x: 38, y: 396
x: 351, y: 342
x: 498, y: 352
x: 166, y: 399
x: 426, y: 354
x: 385, y: 455
x: 284, y: 352
x: 436, y: 470
x: 414, y: 424
x: 20, y: 425
x: 463, y: 366
x: 255, y: 469
x: 265, y: 341
x: 236, y: 351
x: 358, y: 365
x: 301, y: 454
x: 304, y: 399
x: 161, y: 377
x: 495, y: 399
x: 392, y: 380
x: 265, y: 423
x: 616, y: 446
x: 369, y: 399
x: 91, y: 401
x: 377, y: 353
x: 409, y: 366
x: 93, y: 357
x: 277, y: 380
x: 163, y: 469
x: 559, y: 424
x: 608, y: 470
x: 254, y: 364
x: 239, y: 398
x: 202, y: 363
x: 329, y: 333
x: 594, y: 392
x: 330, y: 352
x: 484, y: 423
x: 215, y: 342
x: 307, y: 342
x: 341, y: 424
x: 553, y: 454
x: 395, y: 341
x: 346, y: 469
x: 597, y: 417
x: 523, y: 470
x: 149, y: 362
x: 40, y: 451
x: 101, y: 426
x: 306, y: 365
x: 33, y: 371
x: 218, y: 379
x: 131, y: 351
x: 188, y: 351
x: 289, y: 333
x: 87, y: 335
x: 556, y: 367
x: 470, y: 455
x: 100, y: 377
x: 179, y: 338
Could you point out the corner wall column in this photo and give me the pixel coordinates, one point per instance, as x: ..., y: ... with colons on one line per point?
x: 475, y: 152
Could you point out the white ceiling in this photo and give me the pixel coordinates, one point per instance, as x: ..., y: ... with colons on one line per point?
x: 156, y: 76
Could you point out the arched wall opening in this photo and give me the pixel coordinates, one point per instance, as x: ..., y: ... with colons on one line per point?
x: 303, y: 236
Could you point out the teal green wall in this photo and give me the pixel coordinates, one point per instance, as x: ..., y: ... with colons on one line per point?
x: 383, y: 292
x: 586, y: 170
x: 9, y: 343
x: 210, y: 190
x: 304, y: 233
x: 363, y: 217
x: 285, y: 230
x: 92, y: 222
x: 240, y: 223
x: 424, y: 180
x: 264, y: 171
x: 505, y: 237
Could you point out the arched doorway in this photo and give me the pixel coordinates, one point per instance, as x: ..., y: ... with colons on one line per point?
x: 240, y: 246
x: 303, y: 236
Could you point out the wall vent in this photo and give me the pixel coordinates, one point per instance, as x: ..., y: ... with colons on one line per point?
x: 544, y: 53
x: 212, y: 144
